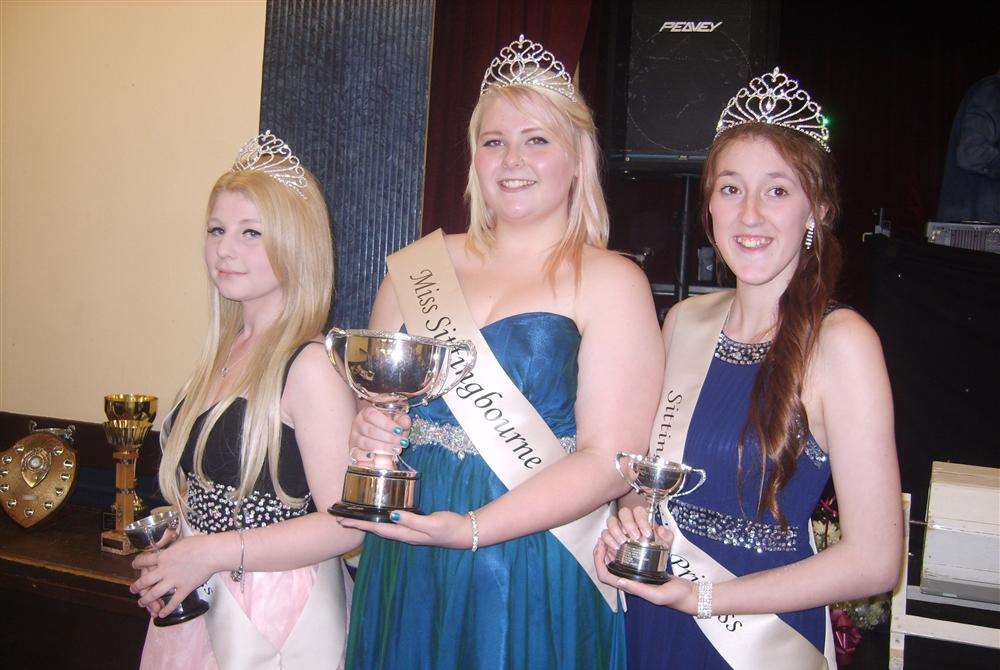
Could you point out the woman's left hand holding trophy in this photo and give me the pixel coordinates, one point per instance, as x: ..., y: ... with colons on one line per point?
x: 632, y: 523
x: 180, y: 566
x: 373, y: 439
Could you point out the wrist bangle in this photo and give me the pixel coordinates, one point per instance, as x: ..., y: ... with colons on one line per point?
x: 237, y: 574
x: 475, y: 530
x: 704, y: 599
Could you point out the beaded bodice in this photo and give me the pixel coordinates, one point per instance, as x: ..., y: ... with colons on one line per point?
x: 715, y: 511
x: 211, y: 504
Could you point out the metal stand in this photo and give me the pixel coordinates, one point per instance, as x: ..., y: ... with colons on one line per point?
x: 683, y: 283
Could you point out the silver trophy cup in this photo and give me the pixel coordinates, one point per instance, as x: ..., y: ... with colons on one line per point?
x: 646, y: 560
x: 394, y: 372
x: 145, y: 534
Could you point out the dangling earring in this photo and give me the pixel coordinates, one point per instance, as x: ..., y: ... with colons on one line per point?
x: 810, y: 229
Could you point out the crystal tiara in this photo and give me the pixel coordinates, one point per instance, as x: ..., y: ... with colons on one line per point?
x: 527, y: 63
x: 272, y: 156
x: 776, y: 98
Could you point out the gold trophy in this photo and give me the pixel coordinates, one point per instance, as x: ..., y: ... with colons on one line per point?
x: 129, y: 419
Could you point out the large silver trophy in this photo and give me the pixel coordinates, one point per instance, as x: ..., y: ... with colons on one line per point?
x: 394, y: 372
x: 145, y: 534
x: 646, y: 560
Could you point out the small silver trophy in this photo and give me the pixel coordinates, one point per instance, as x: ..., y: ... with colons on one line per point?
x: 145, y: 534
x: 394, y: 372
x: 646, y: 560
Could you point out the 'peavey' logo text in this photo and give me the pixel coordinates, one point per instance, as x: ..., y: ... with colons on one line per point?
x: 689, y: 26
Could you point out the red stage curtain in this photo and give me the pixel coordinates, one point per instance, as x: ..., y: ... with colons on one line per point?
x: 467, y: 35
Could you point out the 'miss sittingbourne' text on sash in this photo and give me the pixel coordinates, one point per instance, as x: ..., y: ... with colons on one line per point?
x: 490, y: 403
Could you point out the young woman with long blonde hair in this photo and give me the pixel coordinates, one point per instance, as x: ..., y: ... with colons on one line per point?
x: 516, y: 463
x: 258, y: 440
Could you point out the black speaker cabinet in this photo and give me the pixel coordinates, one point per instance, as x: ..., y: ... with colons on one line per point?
x: 679, y: 63
x: 937, y: 311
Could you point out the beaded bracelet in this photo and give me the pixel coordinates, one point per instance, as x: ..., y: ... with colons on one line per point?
x: 475, y: 530
x: 704, y: 599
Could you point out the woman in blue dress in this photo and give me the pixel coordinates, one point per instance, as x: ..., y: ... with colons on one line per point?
x: 795, y: 390
x: 479, y: 581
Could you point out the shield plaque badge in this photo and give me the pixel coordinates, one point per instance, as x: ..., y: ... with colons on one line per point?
x: 37, y: 475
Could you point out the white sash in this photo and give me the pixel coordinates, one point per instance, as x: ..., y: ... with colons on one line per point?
x: 750, y: 641
x: 317, y: 640
x: 506, y: 429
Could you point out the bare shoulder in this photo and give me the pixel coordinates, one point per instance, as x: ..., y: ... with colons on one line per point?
x: 313, y: 383
x: 670, y: 322
x: 461, y: 256
x: 844, y: 335
x: 311, y: 366
x: 848, y: 355
x: 386, y: 314
x: 455, y: 241
x: 613, y: 288
x: 609, y: 271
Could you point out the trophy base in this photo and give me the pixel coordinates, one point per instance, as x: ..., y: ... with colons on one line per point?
x: 190, y: 608
x: 622, y: 570
x: 367, y: 513
x: 371, y: 494
x: 115, y: 542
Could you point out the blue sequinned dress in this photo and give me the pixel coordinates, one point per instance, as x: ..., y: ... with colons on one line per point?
x: 524, y: 603
x: 661, y: 637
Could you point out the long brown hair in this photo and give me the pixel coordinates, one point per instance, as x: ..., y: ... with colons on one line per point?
x: 777, y: 416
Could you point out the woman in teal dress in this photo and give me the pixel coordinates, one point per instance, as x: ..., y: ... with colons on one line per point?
x: 479, y: 581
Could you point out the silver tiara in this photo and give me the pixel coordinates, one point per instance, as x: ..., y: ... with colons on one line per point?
x: 776, y: 98
x: 272, y: 156
x: 527, y: 63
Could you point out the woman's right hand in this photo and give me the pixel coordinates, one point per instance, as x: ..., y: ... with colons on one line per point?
x: 631, y: 523
x: 378, y: 438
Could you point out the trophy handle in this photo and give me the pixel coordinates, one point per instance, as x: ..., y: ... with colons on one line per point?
x: 700, y: 473
x: 470, y: 350
x: 632, y: 458
x: 335, y: 344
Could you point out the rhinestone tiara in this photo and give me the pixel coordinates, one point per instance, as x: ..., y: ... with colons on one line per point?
x: 271, y: 155
x: 527, y: 63
x: 776, y: 98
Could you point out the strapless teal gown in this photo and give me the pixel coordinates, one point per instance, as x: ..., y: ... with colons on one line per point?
x: 525, y: 603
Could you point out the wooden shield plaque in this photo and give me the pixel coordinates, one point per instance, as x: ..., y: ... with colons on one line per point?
x: 37, y: 475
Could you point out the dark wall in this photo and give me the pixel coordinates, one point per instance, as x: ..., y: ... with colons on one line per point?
x: 891, y: 77
x: 345, y: 84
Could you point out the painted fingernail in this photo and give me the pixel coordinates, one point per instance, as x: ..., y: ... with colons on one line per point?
x: 404, y: 442
x: 397, y: 430
x: 394, y: 516
x: 369, y: 455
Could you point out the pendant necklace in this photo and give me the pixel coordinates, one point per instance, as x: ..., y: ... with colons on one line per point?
x: 225, y: 366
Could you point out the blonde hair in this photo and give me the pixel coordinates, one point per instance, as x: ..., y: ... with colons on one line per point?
x: 572, y: 125
x: 299, y: 248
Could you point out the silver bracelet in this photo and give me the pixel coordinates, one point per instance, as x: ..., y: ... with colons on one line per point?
x: 475, y: 530
x: 237, y: 574
x: 704, y: 599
